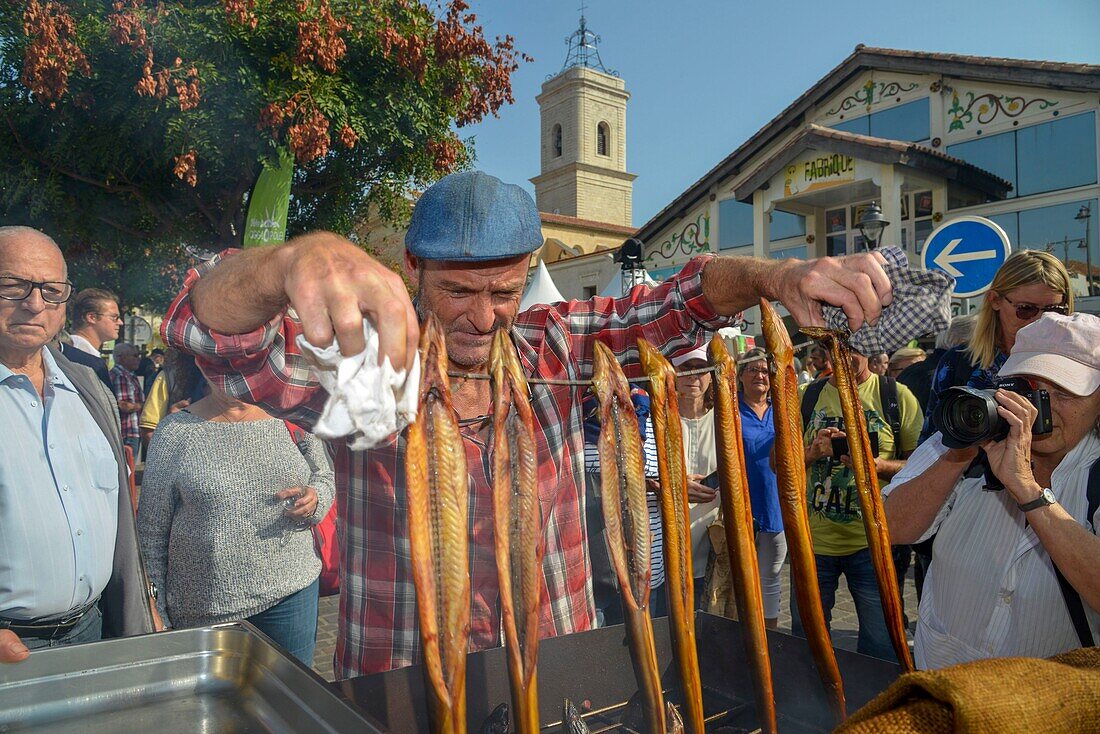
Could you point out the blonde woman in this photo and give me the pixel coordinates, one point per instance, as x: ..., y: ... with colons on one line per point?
x: 1029, y: 283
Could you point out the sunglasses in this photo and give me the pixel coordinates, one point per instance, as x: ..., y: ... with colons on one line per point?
x: 1028, y: 311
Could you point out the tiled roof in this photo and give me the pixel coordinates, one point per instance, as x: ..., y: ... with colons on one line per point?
x: 586, y: 223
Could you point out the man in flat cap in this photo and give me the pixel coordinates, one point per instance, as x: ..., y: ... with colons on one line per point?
x: 468, y: 251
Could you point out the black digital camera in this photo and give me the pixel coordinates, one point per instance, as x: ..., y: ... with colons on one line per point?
x: 967, y: 416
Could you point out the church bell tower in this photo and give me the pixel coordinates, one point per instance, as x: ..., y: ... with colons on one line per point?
x: 583, y: 125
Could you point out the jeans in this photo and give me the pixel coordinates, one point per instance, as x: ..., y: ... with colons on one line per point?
x: 292, y: 623
x: 135, y: 447
x: 858, y: 570
x: 90, y: 629
x: 771, y: 551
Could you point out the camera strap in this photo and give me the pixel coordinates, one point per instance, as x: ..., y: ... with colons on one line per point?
x: 1074, y: 604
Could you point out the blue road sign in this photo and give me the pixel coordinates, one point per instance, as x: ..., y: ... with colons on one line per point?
x: 969, y: 248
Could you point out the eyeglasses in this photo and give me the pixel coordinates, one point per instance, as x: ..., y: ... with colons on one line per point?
x: 111, y: 316
x: 19, y: 289
x: 758, y: 371
x: 1028, y: 311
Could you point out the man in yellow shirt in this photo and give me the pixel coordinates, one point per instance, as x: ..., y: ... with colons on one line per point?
x: 840, y: 543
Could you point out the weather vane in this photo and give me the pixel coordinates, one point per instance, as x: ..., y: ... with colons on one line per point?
x: 583, y: 47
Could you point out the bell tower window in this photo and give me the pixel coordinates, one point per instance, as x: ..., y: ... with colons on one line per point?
x: 603, y: 132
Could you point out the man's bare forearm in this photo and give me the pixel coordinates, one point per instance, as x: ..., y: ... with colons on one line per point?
x: 242, y: 292
x: 733, y: 284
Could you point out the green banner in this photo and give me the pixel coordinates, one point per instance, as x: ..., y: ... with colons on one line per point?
x: 269, y: 202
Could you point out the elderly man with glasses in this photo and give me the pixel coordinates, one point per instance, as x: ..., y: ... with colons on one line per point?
x: 70, y: 570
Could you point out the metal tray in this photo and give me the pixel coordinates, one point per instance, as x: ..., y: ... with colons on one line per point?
x: 213, y: 680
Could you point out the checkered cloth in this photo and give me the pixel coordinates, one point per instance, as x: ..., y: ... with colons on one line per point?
x: 921, y: 305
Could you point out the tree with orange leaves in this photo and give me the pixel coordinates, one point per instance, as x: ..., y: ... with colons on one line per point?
x: 132, y: 128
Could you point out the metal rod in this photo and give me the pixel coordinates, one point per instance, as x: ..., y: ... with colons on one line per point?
x: 576, y: 383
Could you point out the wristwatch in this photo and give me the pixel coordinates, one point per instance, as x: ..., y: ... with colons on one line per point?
x: 1046, y: 498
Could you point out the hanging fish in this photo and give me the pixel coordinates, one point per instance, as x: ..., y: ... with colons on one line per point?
x: 517, y: 525
x: 870, y: 496
x: 733, y: 484
x: 622, y: 486
x: 438, y: 490
x: 790, y: 470
x: 676, y: 523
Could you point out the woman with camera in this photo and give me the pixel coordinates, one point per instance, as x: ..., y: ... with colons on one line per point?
x: 1028, y: 284
x: 993, y: 588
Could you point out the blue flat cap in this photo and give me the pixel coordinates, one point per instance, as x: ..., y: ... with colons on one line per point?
x: 473, y: 216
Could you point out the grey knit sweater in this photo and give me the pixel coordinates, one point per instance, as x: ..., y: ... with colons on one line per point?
x: 213, y: 535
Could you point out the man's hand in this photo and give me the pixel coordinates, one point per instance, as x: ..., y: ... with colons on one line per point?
x: 822, y: 445
x: 699, y: 492
x: 856, y: 283
x: 12, y: 649
x: 332, y: 284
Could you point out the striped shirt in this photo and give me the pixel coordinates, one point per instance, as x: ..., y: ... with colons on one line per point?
x: 653, y: 503
x: 991, y: 590
x: 378, y: 621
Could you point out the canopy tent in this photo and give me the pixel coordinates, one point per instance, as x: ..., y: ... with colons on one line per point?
x: 541, y: 289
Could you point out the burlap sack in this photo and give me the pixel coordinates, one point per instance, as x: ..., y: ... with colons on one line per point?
x: 1059, y: 694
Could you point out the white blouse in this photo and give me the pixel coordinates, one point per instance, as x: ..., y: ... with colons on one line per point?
x: 991, y: 590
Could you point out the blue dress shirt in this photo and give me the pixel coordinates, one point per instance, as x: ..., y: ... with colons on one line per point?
x: 759, y: 435
x: 58, y: 498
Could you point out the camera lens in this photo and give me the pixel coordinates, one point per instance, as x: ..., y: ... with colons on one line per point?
x: 966, y: 416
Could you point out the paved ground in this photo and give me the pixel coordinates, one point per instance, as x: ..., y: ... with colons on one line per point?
x: 844, y: 626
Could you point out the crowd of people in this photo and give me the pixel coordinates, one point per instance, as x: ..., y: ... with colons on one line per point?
x: 230, y: 484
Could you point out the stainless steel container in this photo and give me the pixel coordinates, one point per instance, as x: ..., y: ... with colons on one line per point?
x: 226, y: 678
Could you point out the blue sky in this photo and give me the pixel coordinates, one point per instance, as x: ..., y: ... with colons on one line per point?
x: 704, y: 75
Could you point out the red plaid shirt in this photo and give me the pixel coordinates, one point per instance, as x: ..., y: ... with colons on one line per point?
x: 127, y: 388
x: 378, y: 622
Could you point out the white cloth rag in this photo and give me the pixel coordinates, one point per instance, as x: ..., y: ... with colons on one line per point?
x: 367, y: 402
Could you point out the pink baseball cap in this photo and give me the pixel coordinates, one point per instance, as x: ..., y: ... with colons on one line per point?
x: 1062, y: 349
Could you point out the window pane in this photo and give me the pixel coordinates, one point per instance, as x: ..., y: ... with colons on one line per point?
x: 786, y: 225
x: 835, y: 221
x: 1056, y: 229
x: 798, y: 252
x: 1010, y: 223
x: 836, y: 245
x: 734, y: 224
x: 922, y: 202
x: 1057, y: 155
x: 996, y: 154
x: 860, y: 125
x: 904, y: 122
x: 922, y: 229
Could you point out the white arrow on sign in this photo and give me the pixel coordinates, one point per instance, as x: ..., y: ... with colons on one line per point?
x: 947, y: 258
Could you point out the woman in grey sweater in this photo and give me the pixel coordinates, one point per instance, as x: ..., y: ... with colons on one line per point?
x: 224, y: 520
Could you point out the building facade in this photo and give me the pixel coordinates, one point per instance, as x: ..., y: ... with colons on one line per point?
x: 928, y: 137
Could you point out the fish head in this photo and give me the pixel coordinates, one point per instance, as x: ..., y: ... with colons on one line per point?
x: 656, y: 365
x: 775, y: 332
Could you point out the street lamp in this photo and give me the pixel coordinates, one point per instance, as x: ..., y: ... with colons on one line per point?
x: 1085, y: 214
x: 871, y: 225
